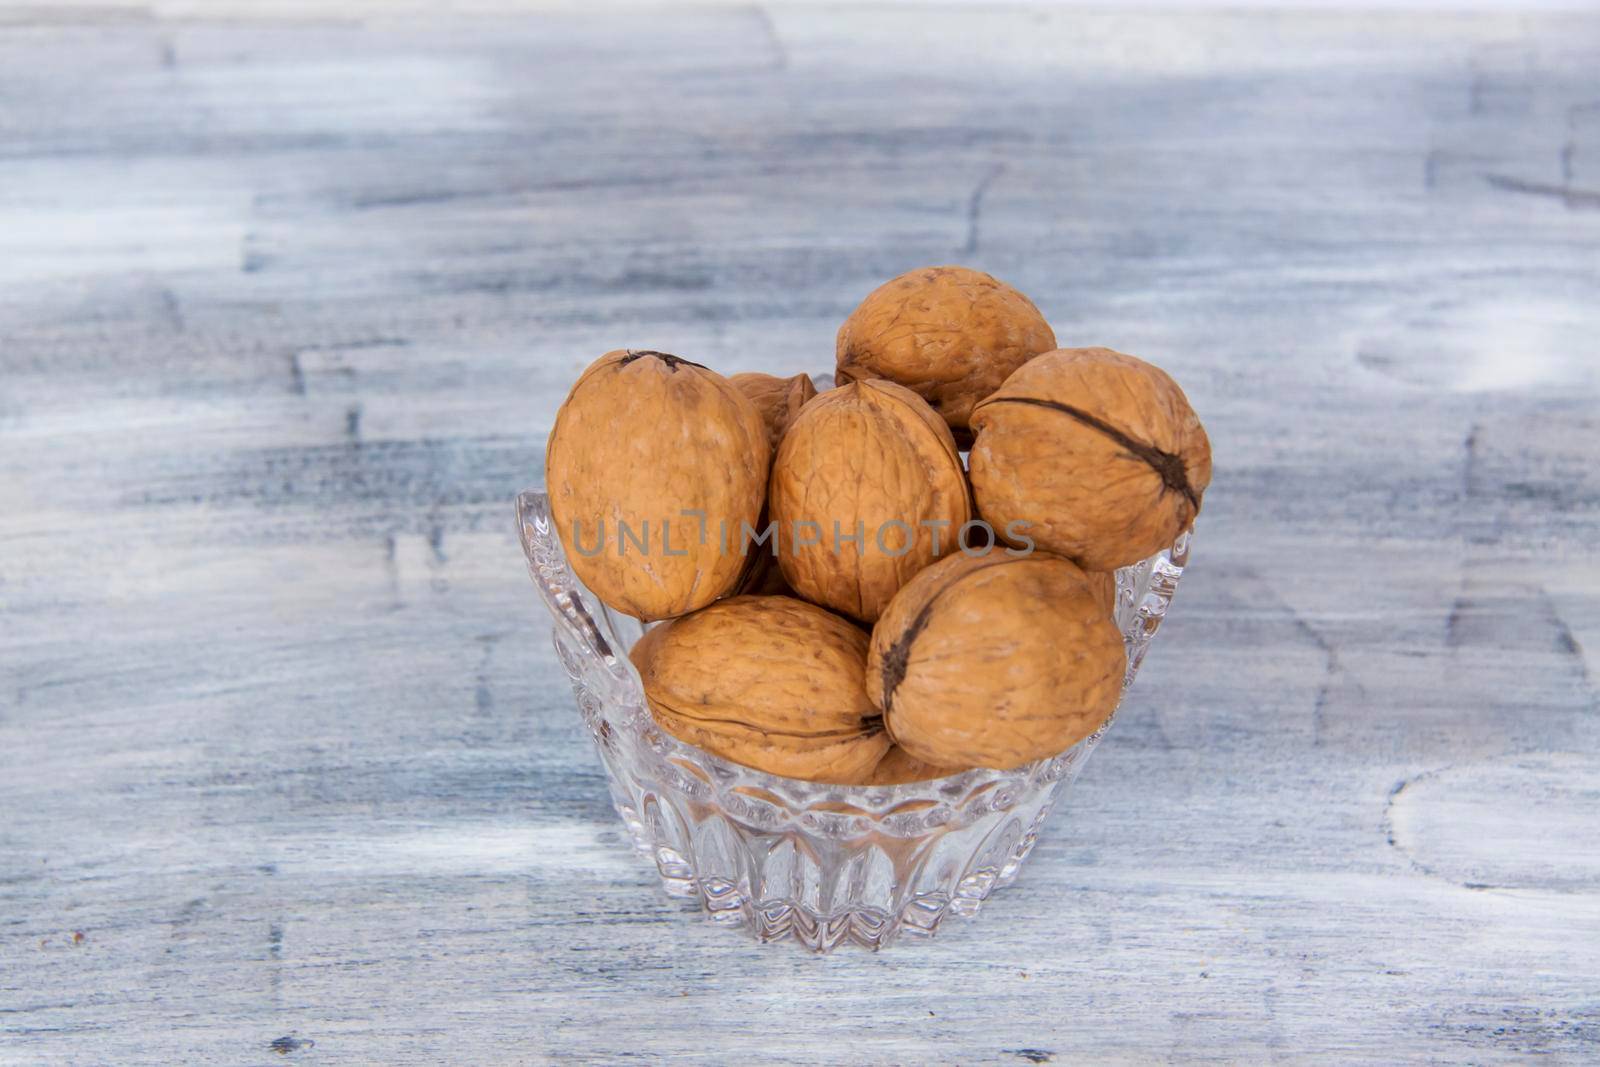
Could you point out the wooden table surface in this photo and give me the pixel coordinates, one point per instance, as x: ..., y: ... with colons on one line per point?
x: 287, y: 765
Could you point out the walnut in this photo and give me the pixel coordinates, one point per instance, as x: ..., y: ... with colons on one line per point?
x: 899, y: 767
x: 995, y: 661
x: 778, y: 399
x: 653, y: 465
x: 1097, y: 454
x: 949, y: 334
x: 867, y: 489
x: 771, y: 682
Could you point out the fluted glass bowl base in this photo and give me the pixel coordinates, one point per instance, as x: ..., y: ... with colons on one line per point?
x: 824, y: 865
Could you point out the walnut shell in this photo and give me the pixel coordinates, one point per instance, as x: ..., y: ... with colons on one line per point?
x: 1104, y: 586
x: 899, y: 767
x: 995, y: 661
x: 1099, y: 454
x: 949, y: 334
x: 642, y: 438
x: 868, y: 458
x: 778, y: 399
x: 771, y: 682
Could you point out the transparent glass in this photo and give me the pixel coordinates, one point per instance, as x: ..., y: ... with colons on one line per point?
x: 781, y: 858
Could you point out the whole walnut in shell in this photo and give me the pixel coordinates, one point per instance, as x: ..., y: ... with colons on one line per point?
x: 995, y: 661
x: 1097, y: 454
x: 949, y: 334
x: 899, y: 767
x: 778, y: 399
x: 867, y: 489
x: 771, y: 682
x: 650, y: 459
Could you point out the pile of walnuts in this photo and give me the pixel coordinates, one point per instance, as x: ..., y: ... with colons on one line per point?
x: 841, y: 597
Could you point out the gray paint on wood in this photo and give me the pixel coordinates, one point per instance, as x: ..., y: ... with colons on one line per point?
x: 287, y: 767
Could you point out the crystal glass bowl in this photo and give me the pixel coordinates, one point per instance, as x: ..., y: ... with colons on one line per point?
x: 782, y: 858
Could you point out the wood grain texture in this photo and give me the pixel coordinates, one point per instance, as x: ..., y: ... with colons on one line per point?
x: 287, y: 767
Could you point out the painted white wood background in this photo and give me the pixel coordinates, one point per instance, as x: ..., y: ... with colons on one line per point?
x: 287, y: 767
